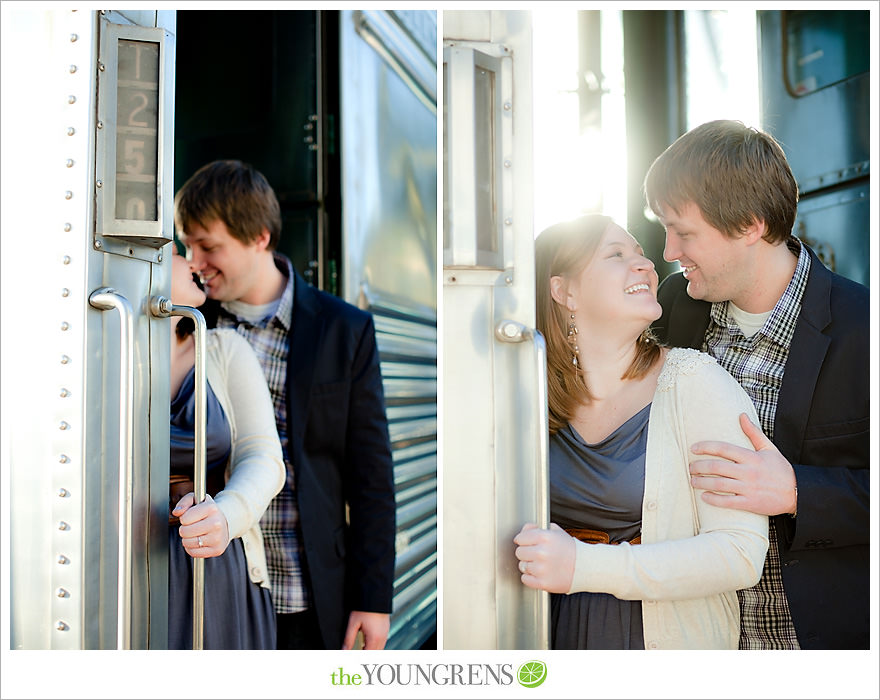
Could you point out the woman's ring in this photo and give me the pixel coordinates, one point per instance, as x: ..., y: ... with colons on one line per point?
x: 201, y: 544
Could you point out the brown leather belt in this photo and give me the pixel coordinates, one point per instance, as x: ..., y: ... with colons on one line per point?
x: 596, y: 536
x: 179, y: 485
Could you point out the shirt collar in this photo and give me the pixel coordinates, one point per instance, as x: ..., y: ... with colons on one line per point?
x: 284, y: 313
x: 779, y: 327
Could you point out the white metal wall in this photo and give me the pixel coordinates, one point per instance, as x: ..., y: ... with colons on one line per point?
x: 61, y: 357
x: 493, y: 422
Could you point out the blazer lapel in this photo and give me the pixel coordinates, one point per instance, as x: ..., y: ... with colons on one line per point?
x: 305, y: 334
x: 808, y: 347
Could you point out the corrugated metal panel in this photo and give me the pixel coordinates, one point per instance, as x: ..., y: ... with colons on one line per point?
x: 408, y: 353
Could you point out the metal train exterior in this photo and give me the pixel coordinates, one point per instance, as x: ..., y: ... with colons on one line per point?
x: 814, y: 96
x: 115, y: 110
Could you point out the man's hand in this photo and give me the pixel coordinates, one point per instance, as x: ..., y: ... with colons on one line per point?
x: 761, y: 482
x: 375, y: 627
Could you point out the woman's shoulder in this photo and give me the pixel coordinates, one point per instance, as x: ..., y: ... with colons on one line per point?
x: 684, y: 363
x: 225, y: 338
x: 227, y: 347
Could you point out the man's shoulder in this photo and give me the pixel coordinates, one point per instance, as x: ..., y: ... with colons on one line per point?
x: 683, y: 320
x: 337, y: 309
x: 847, y: 301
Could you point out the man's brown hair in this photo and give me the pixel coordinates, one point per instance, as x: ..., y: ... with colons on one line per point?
x: 735, y: 174
x: 236, y: 194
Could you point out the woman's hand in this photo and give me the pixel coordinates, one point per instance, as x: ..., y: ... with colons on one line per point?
x: 204, y: 531
x: 546, y: 557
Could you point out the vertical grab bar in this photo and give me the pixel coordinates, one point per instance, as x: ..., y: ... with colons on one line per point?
x: 104, y: 299
x: 162, y: 307
x: 508, y: 331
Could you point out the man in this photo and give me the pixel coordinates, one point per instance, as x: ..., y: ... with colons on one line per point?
x: 329, y: 534
x: 796, y: 336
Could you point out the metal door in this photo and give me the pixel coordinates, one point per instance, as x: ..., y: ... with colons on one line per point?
x: 494, y: 405
x: 815, y: 97
x: 86, y: 390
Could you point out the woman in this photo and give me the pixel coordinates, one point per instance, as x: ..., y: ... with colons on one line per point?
x: 645, y: 562
x: 244, y: 472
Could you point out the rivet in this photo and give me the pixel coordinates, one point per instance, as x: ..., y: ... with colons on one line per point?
x: 98, y: 244
x: 64, y: 425
x: 100, y: 184
x: 66, y: 260
x: 62, y: 559
x: 507, y: 106
x: 73, y: 69
x: 71, y: 99
x: 64, y: 459
x: 65, y: 359
x: 65, y: 326
x: 160, y: 257
x: 508, y: 279
x: 100, y: 125
x: 101, y: 67
x: 67, y: 228
x: 61, y: 626
x: 507, y: 163
x: 68, y: 195
x: 61, y: 593
x: 69, y: 163
x: 73, y: 37
x: 65, y: 292
x: 63, y: 493
x: 63, y: 526
x: 64, y: 393
x: 70, y: 131
x: 508, y: 221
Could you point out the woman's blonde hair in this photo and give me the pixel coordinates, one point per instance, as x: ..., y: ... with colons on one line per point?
x: 565, y: 249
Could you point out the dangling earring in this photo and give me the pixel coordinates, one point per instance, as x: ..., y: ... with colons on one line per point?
x: 573, y: 341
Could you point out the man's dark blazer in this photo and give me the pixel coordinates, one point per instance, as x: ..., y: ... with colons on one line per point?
x: 338, y: 443
x: 822, y: 429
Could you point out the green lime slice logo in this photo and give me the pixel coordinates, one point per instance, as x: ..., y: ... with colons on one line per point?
x: 531, y: 674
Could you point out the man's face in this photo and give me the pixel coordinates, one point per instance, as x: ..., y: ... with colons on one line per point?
x: 227, y: 267
x: 715, y: 265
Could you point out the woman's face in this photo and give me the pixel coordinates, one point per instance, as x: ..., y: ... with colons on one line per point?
x: 618, y: 285
x: 184, y: 290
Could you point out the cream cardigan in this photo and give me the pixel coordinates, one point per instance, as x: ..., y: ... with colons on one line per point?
x: 256, y: 471
x: 693, y: 557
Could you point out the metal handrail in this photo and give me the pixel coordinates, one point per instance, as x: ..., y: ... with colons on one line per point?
x: 162, y: 307
x: 104, y: 299
x: 508, y: 331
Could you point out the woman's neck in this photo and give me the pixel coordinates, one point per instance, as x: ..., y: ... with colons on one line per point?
x: 604, y: 362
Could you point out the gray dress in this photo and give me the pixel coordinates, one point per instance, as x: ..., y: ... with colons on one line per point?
x: 598, y: 486
x: 238, y: 612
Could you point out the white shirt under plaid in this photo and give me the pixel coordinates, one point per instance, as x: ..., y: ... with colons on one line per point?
x: 280, y: 523
x: 758, y: 364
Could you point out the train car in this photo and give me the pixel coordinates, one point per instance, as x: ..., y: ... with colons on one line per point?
x: 114, y: 109
x: 815, y: 95
x: 494, y: 418
x: 812, y: 85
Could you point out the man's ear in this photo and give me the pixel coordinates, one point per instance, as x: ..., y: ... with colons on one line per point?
x: 559, y: 290
x: 755, y: 231
x: 262, y: 241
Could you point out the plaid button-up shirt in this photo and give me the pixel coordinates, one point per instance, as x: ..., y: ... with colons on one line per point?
x: 280, y: 523
x: 758, y: 364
